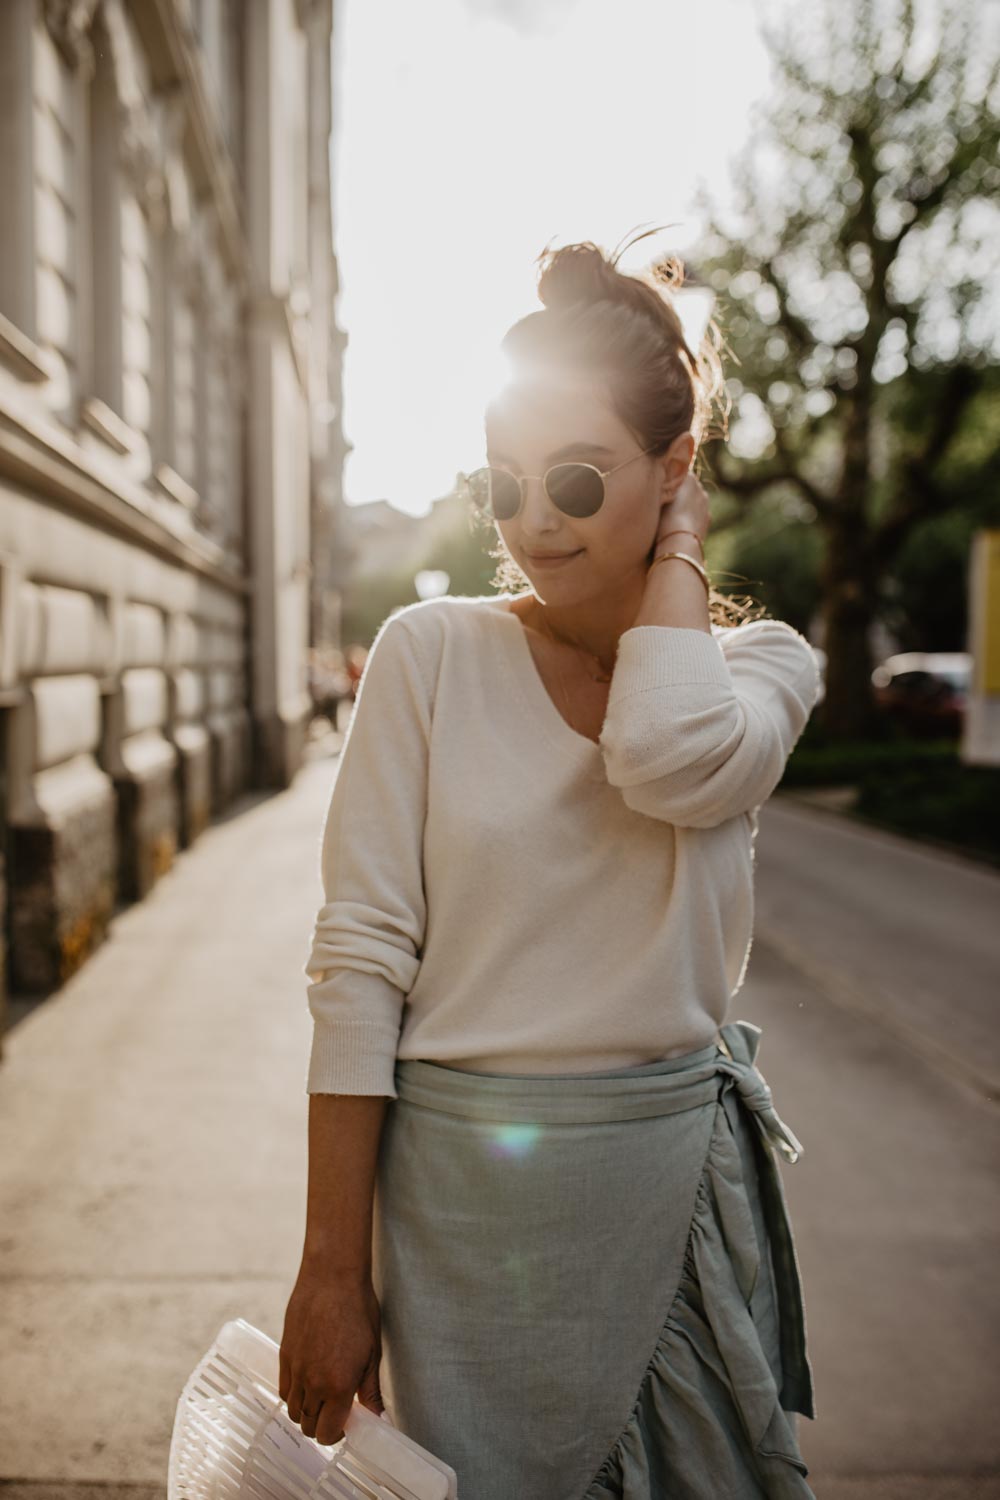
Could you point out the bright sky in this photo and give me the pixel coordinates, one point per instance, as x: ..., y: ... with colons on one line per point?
x: 468, y: 136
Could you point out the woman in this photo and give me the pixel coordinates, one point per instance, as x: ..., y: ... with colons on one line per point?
x: 545, y: 1226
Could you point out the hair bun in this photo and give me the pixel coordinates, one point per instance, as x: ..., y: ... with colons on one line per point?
x: 624, y: 325
x: 582, y: 272
x: 576, y: 273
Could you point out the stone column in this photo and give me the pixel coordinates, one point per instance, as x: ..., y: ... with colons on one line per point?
x: 278, y: 441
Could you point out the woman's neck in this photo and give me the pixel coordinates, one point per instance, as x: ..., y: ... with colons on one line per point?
x: 594, y: 624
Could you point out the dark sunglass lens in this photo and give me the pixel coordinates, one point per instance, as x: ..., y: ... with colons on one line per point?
x: 505, y: 494
x: 576, y: 489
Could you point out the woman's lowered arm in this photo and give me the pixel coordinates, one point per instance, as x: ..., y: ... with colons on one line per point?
x: 369, y: 932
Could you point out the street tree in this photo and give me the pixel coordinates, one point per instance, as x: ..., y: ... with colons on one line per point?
x: 856, y: 277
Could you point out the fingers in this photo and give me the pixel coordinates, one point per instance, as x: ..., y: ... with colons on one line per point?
x: 328, y: 1426
x: 332, y: 1334
x: 313, y: 1412
x: 295, y: 1400
x: 369, y: 1391
x: 320, y: 1408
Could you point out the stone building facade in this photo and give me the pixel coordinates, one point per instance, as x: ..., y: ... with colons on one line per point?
x: 170, y: 442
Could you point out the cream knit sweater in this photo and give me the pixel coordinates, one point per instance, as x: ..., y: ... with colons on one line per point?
x: 505, y: 895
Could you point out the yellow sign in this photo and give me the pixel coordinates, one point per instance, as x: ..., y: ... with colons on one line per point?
x: 984, y: 633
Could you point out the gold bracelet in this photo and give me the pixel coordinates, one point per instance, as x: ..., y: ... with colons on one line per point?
x: 680, y: 531
x: 687, y: 558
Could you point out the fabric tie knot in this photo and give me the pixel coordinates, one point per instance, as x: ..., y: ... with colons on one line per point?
x: 753, y: 1088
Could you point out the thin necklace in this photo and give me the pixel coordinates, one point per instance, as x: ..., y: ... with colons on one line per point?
x: 603, y: 677
x: 602, y: 674
x: 565, y: 696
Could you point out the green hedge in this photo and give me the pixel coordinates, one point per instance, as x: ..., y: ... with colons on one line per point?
x: 955, y: 805
x: 815, y: 762
x: 915, y: 787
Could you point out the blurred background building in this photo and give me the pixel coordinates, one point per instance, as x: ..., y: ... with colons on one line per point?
x: 171, y: 449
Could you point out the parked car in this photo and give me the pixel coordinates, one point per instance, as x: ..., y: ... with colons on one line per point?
x: 926, y: 691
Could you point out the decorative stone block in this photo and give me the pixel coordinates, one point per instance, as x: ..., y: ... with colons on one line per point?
x: 194, y: 780
x: 62, y: 876
x: 279, y: 747
x: 148, y: 813
x: 194, y: 753
x: 142, y: 763
x: 3, y: 950
x: 230, y: 731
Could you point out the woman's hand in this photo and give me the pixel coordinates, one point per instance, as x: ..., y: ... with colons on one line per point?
x: 687, y: 511
x: 331, y: 1347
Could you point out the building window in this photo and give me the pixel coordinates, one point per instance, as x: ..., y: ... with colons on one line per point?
x: 17, y: 243
x: 105, y: 228
x: 186, y: 361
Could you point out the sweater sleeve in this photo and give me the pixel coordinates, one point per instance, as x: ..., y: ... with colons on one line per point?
x: 369, y: 932
x: 699, y: 727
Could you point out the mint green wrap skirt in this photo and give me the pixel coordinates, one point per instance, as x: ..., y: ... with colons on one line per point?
x: 588, y: 1282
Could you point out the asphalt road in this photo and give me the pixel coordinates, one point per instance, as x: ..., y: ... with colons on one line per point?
x: 153, y: 1113
x: 874, y: 976
x: 903, y: 934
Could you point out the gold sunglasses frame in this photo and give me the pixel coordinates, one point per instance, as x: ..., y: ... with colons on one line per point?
x: 565, y: 464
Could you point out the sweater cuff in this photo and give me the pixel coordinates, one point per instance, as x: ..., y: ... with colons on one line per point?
x: 657, y: 656
x: 352, y: 1057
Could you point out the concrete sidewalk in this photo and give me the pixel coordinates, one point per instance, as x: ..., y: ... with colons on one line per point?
x: 152, y: 1184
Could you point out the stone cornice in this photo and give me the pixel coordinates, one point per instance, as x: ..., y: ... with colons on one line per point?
x: 48, y: 462
x: 21, y: 354
x: 109, y: 426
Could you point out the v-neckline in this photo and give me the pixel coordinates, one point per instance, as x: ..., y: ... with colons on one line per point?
x: 536, y: 697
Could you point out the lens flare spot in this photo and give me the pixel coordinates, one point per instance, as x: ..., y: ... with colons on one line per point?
x: 512, y: 1141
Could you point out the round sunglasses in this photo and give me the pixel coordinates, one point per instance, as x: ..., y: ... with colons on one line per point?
x: 577, y: 489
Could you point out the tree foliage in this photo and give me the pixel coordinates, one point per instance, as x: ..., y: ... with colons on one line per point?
x: 857, y: 287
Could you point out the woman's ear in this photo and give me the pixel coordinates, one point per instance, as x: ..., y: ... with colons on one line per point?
x: 676, y: 462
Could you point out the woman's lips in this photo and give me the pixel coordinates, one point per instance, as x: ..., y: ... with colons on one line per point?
x: 550, y: 561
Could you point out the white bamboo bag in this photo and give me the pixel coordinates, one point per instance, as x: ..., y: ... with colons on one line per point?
x: 233, y: 1437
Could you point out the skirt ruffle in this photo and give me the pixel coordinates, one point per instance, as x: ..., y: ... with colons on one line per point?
x: 708, y: 1419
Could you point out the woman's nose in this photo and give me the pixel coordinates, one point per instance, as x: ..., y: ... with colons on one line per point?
x: 535, y: 502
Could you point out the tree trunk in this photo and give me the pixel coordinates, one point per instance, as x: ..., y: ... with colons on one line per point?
x: 849, y: 578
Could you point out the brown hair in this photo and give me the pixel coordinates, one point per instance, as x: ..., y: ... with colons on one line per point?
x: 626, y: 328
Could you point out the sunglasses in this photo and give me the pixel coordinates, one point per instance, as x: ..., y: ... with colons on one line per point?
x: 576, y: 489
